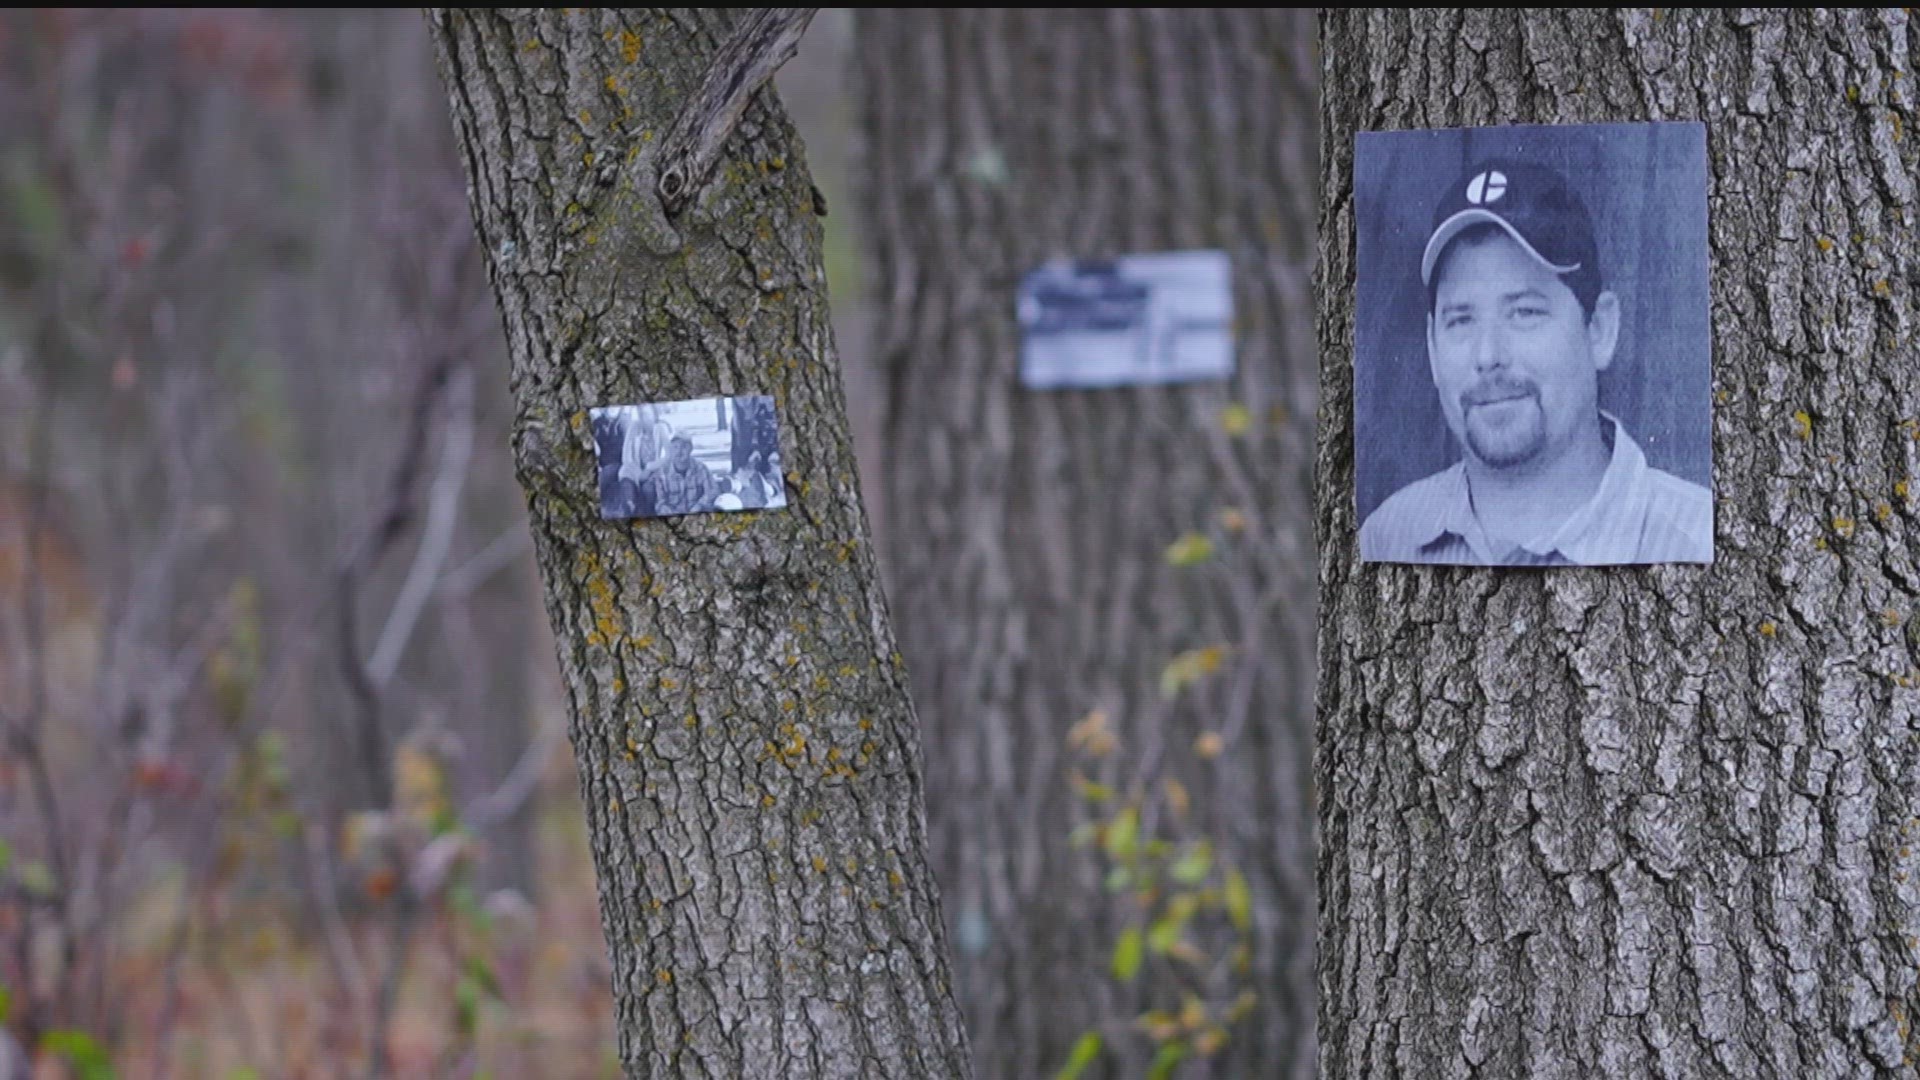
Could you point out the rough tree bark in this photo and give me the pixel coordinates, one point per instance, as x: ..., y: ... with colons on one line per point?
x: 1647, y: 821
x: 1028, y: 531
x: 747, y: 749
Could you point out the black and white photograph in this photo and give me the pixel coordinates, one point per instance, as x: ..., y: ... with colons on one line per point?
x: 688, y: 457
x: 1135, y: 320
x: 1532, y: 352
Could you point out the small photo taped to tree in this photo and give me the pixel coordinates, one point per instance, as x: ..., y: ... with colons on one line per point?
x: 1134, y: 320
x: 665, y: 459
x: 1532, y: 348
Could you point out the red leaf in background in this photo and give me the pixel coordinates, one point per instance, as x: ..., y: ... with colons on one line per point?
x: 162, y: 774
x: 203, y: 40
x: 381, y: 883
x: 133, y: 253
x: 125, y: 374
x: 149, y: 777
x: 54, y: 23
x: 269, y: 70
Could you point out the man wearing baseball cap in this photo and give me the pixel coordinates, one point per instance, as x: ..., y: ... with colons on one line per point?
x: 1520, y: 324
x: 685, y: 485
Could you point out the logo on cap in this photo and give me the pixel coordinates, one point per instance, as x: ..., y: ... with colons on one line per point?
x: 1487, y: 187
x: 1531, y: 202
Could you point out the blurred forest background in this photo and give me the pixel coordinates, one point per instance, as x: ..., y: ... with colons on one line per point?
x: 285, y: 769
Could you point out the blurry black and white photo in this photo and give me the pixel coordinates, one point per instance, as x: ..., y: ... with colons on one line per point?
x: 1532, y: 356
x: 688, y: 457
x: 1140, y: 319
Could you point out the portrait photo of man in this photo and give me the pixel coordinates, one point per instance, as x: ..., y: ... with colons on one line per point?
x: 1558, y: 336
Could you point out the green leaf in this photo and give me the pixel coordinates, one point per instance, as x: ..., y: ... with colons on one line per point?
x: 1164, y: 935
x: 1123, y: 834
x: 466, y: 1008
x: 6, y: 1004
x: 1092, y: 791
x: 1194, y: 864
x: 1190, y: 550
x: 1170, y: 1054
x: 1119, y: 878
x: 460, y: 897
x: 1182, y: 907
x: 1239, y: 901
x: 244, y: 1072
x: 1189, y: 666
x: 36, y: 879
x: 88, y: 1060
x: 34, y: 205
x: 481, y: 972
x: 1127, y: 954
x: 6, y: 856
x: 443, y: 821
x: 1083, y: 1054
x: 285, y: 824
x: 1159, y: 1024
x: 273, y: 760
x: 1236, y: 419
x: 1083, y: 834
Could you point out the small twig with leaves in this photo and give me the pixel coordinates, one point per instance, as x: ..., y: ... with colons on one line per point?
x: 24, y: 743
x: 1187, y: 913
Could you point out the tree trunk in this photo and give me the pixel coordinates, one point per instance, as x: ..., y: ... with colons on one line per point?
x: 748, y: 753
x: 1646, y: 821
x: 1029, y: 530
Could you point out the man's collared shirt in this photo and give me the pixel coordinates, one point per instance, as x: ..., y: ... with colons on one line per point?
x: 683, y: 491
x: 1639, y: 515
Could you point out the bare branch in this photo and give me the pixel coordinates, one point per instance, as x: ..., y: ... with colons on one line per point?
x: 402, y: 942
x: 442, y: 513
x: 348, y: 973
x: 767, y: 39
x: 23, y: 737
x: 491, y: 809
x: 501, y: 552
x: 385, y: 530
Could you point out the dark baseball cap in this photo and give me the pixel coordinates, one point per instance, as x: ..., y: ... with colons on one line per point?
x: 1531, y: 202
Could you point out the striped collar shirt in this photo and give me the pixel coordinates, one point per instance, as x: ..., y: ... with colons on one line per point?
x: 1639, y: 514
